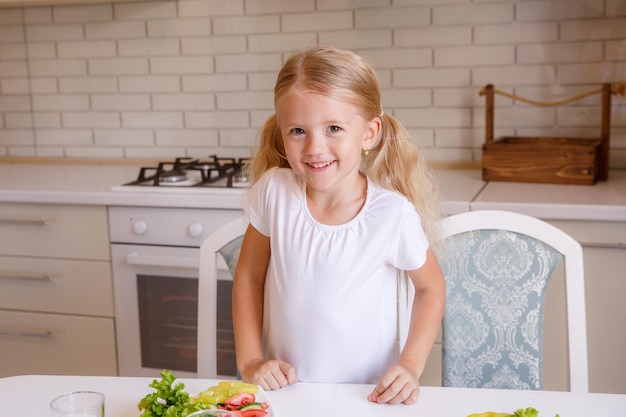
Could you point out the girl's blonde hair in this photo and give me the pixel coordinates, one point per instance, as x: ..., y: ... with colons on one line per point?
x: 394, y: 162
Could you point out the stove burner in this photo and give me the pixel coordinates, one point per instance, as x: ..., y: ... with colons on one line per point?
x: 173, y: 176
x: 189, y: 172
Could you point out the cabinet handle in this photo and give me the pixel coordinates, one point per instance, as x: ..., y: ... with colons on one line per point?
x: 17, y: 222
x: 45, y: 279
x: 39, y: 335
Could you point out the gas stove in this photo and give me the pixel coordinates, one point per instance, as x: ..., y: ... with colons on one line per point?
x: 190, y: 174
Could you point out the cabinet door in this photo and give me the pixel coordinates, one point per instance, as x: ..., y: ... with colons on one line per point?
x: 56, y: 286
x: 35, y: 343
x: 56, y: 231
x: 604, y: 251
x: 605, y: 287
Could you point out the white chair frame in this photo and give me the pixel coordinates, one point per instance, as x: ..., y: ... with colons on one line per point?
x: 207, y: 294
x: 574, y: 274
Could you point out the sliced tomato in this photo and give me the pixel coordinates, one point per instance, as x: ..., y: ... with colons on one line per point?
x: 238, y: 400
x: 253, y: 413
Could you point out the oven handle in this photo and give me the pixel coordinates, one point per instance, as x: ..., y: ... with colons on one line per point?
x: 134, y: 258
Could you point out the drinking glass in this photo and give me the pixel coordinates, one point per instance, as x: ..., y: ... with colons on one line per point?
x: 78, y: 404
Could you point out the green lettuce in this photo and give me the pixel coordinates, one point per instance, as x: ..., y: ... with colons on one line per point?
x: 169, y: 400
x: 528, y: 412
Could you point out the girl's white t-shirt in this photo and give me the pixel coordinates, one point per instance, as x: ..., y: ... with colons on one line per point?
x: 330, y: 302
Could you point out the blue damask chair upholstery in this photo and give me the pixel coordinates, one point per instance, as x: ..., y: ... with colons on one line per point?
x: 492, y: 327
x: 230, y: 253
x: 497, y: 266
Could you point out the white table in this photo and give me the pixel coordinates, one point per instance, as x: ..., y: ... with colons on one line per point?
x: 29, y: 396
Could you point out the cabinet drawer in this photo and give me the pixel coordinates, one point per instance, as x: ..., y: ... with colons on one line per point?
x: 56, y: 286
x: 35, y: 343
x: 56, y: 231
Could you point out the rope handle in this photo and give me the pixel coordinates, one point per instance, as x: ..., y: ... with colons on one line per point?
x: 618, y: 88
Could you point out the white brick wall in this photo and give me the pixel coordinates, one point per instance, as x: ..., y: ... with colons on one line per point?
x: 161, y: 79
x: 239, y: 25
x: 83, y: 14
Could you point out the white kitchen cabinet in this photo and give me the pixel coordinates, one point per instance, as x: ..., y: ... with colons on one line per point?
x: 56, y: 285
x: 604, y: 248
x: 56, y: 296
x: 54, y: 231
x: 39, y: 343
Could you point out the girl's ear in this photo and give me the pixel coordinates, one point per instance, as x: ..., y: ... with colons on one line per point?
x: 374, y: 130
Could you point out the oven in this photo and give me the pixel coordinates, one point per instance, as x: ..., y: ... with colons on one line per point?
x: 155, y: 261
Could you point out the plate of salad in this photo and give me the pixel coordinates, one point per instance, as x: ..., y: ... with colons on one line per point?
x: 171, y: 400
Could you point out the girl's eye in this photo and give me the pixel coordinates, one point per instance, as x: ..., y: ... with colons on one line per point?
x: 334, y: 129
x: 297, y: 131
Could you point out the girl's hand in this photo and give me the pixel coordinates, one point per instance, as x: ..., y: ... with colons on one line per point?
x: 269, y: 375
x: 398, y: 385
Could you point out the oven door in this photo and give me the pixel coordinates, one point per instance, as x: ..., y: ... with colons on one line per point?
x: 156, y: 311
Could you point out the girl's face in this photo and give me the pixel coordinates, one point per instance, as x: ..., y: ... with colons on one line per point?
x: 323, y: 139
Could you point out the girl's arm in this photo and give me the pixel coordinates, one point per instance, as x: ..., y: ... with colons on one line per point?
x: 248, y: 294
x: 401, y: 382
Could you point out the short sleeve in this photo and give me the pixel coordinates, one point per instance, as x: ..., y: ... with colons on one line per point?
x: 409, y: 243
x: 256, y: 203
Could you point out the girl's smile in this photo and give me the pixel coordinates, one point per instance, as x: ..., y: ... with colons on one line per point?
x: 320, y: 165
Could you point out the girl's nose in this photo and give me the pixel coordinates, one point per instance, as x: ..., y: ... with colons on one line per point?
x: 314, y: 144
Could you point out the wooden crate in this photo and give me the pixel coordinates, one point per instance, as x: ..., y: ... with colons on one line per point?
x: 549, y: 160
x: 542, y: 160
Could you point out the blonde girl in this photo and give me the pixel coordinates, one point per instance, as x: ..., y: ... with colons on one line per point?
x: 342, y: 203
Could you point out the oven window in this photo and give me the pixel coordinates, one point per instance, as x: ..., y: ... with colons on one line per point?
x: 168, y: 311
x: 226, y: 361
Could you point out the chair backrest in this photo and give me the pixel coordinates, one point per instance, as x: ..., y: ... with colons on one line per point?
x: 497, y: 265
x: 225, y: 242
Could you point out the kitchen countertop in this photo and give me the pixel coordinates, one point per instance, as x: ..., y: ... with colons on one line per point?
x: 91, y: 184
x: 604, y: 201
x: 461, y: 189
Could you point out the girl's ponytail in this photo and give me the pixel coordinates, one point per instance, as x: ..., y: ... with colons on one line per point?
x: 396, y: 164
x: 271, y: 152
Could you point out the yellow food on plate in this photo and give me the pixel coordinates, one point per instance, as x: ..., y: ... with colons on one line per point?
x: 224, y: 390
x: 490, y: 414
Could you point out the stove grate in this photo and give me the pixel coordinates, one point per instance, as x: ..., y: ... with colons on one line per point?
x: 213, y: 171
